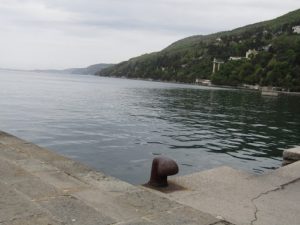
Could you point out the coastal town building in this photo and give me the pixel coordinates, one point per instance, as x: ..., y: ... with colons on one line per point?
x: 235, y: 58
x: 216, y: 65
x: 204, y: 82
x: 251, y: 52
x: 296, y: 29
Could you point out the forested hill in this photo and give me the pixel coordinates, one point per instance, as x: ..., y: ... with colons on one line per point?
x: 277, y: 62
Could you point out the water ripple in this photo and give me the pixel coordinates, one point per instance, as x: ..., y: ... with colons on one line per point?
x: 118, y: 125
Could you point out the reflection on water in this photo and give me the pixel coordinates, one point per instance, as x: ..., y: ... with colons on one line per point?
x: 118, y: 126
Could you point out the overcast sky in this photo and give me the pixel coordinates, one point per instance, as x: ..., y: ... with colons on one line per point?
x: 76, y: 33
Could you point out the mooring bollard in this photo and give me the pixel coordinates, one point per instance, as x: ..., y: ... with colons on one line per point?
x: 162, y: 167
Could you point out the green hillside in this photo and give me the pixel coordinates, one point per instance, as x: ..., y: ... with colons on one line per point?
x: 277, y: 62
x: 90, y: 69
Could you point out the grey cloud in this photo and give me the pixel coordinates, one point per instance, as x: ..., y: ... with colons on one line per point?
x: 99, y: 28
x: 186, y: 17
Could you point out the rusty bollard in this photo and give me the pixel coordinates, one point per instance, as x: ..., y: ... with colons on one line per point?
x: 162, y: 167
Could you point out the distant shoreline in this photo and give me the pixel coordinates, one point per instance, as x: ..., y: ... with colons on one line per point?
x: 161, y: 81
x: 212, y: 85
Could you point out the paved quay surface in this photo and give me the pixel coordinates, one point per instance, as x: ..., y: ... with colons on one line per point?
x: 243, y: 198
x: 39, y: 187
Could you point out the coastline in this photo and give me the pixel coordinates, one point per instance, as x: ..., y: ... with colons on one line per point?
x: 208, y: 86
x: 170, y: 82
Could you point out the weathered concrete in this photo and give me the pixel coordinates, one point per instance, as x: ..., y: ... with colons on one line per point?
x: 243, y: 198
x: 40, y: 187
x: 291, y: 155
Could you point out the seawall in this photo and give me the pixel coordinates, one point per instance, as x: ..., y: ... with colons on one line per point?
x: 40, y: 187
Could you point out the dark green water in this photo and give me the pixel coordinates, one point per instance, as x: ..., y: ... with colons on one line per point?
x: 117, y: 126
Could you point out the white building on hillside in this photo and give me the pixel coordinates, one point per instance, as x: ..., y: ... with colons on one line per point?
x: 250, y: 52
x: 217, y: 65
x: 235, y: 58
x: 296, y: 29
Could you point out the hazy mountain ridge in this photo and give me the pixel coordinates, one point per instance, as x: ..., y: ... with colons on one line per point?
x: 191, y: 57
x: 85, y: 71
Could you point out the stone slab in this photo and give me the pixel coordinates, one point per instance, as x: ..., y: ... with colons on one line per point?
x: 182, y: 215
x: 105, y: 202
x: 279, y: 206
x: 62, y: 181
x: 41, y: 187
x: 35, y: 189
x: 292, y: 154
x: 137, y: 222
x: 70, y: 210
x: 146, y: 202
x: 33, y: 220
x: 11, y: 173
x: 236, y: 196
x: 106, y: 183
x: 281, y: 175
x: 35, y: 165
x: 11, y: 153
x: 15, y: 206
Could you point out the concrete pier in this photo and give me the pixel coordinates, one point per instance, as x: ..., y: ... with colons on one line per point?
x: 243, y: 198
x: 39, y: 187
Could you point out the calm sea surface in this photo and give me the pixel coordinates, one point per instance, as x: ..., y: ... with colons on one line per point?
x: 117, y: 126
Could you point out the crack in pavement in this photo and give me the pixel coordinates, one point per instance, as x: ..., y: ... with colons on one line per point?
x: 281, y: 187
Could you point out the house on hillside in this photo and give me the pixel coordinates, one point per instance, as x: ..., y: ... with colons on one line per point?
x: 203, y: 82
x: 235, y: 58
x: 296, y: 29
x: 251, y: 52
